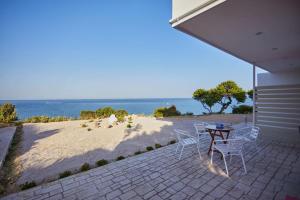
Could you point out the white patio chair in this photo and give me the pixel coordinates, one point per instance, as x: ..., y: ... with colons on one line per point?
x: 249, y: 134
x: 185, y: 140
x: 229, y: 147
x: 202, y: 135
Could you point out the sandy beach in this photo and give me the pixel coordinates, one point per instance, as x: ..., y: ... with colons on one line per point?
x: 51, y: 148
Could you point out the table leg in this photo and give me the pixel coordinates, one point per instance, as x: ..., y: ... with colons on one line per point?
x: 212, y: 135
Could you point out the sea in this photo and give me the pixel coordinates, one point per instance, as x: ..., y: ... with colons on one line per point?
x: 72, y: 107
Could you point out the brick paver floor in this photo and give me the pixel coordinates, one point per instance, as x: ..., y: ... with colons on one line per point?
x: 273, y: 173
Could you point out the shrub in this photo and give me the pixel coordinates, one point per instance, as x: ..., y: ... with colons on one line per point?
x: 65, y: 174
x: 45, y: 119
x: 242, y: 109
x: 138, y: 152
x: 149, y: 148
x: 172, y: 142
x: 105, y: 112
x: 27, y: 185
x: 89, y: 129
x: 87, y: 114
x: 85, y: 167
x: 120, y: 158
x: 121, y: 114
x: 128, y: 126
x: 101, y: 162
x: 7, y: 113
x: 83, y: 125
x: 157, y: 146
x: 166, y: 112
x: 188, y: 114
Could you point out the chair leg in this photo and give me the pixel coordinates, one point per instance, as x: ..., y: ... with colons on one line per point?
x: 211, y: 156
x: 181, y: 152
x: 224, y: 158
x: 199, y: 151
x: 177, y: 147
x: 243, y: 162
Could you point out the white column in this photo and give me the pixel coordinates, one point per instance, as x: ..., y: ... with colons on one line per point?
x: 254, y: 94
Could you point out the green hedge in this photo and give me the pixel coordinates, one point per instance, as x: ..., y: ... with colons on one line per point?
x: 87, y: 114
x: 46, y: 119
x: 166, y: 112
x: 242, y: 109
x: 8, y: 113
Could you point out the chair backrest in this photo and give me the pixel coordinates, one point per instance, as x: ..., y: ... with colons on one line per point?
x: 200, y: 127
x: 254, y: 132
x: 180, y: 134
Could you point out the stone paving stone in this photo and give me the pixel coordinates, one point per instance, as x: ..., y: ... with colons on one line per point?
x: 273, y: 172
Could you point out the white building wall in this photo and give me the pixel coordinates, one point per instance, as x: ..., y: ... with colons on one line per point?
x: 280, y: 78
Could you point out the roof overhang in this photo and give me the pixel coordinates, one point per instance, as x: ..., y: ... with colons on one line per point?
x: 262, y: 32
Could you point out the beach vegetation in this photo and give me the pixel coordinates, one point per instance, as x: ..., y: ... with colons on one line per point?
x: 166, y: 112
x: 8, y: 113
x: 87, y: 114
x: 137, y: 152
x: 101, y: 162
x: 65, y: 174
x: 120, y: 115
x: 83, y: 125
x: 149, y: 148
x: 129, y: 125
x: 105, y: 112
x: 242, y: 109
x: 172, y: 142
x: 223, y: 94
x: 157, y: 146
x: 46, y: 119
x: 89, y: 129
x: 120, y: 158
x: 27, y: 185
x: 85, y: 167
x: 188, y: 114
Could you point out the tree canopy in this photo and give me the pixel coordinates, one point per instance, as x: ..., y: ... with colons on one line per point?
x: 223, y: 95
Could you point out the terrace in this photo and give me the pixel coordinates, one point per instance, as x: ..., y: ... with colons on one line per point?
x: 273, y: 173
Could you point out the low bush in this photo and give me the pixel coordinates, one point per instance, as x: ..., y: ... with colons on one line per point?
x: 7, y: 113
x: 105, y: 112
x: 166, y: 112
x: 242, y: 109
x: 129, y: 126
x: 157, y: 146
x: 89, y: 129
x: 149, y: 148
x: 120, y: 158
x: 65, y: 174
x: 137, y: 152
x: 87, y: 114
x: 27, y: 185
x: 188, y: 114
x: 85, y: 167
x: 101, y: 162
x: 46, y: 119
x: 83, y: 125
x: 172, y: 142
x: 120, y: 115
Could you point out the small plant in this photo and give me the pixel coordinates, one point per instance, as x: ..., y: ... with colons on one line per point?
x: 101, y: 162
x: 166, y: 112
x: 129, y: 126
x: 85, y: 167
x: 172, y: 142
x: 120, y: 158
x: 149, y: 148
x: 65, y: 174
x: 27, y: 185
x: 89, y: 129
x: 83, y: 125
x: 138, y: 152
x: 157, y: 146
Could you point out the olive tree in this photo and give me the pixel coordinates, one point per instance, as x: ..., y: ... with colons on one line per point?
x: 208, y: 98
x: 226, y: 92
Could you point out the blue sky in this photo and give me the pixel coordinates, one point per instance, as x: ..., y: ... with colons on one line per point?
x: 64, y: 49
